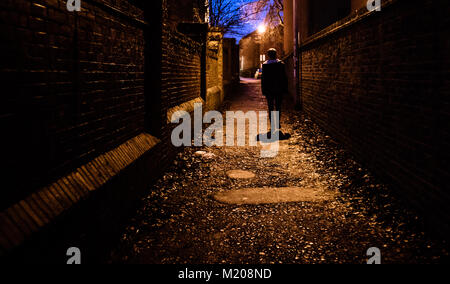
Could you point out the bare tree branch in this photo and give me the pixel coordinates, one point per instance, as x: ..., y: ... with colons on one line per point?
x: 233, y: 15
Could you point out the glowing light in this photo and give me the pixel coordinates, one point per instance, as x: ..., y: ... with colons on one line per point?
x: 262, y: 28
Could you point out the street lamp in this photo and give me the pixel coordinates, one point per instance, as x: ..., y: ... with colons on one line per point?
x: 262, y: 28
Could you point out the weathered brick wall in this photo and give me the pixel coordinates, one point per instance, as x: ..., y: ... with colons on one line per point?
x: 181, y: 68
x: 214, y: 69
x: 381, y: 86
x: 84, y: 95
x: 72, y: 87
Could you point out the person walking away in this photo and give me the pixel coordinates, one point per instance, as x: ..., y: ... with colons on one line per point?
x: 274, y: 85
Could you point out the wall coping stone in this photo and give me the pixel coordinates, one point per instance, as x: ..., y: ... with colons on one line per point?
x: 19, y: 222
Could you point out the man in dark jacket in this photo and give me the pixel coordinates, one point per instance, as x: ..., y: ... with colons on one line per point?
x: 274, y: 85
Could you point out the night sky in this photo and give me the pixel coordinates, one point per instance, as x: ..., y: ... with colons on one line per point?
x: 248, y: 27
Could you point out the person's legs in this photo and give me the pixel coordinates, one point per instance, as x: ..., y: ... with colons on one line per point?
x: 272, y: 104
x: 278, y: 105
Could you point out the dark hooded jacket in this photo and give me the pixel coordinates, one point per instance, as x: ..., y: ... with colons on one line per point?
x: 274, y: 81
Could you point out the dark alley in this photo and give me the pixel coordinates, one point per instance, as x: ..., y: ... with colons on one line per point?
x: 182, y: 221
x: 225, y: 133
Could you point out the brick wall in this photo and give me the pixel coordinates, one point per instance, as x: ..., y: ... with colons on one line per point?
x: 212, y: 72
x: 72, y: 87
x: 214, y: 69
x: 381, y: 86
x: 74, y: 119
x: 84, y: 115
x: 181, y: 67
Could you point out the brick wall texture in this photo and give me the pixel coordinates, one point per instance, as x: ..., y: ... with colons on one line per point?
x: 181, y: 69
x: 381, y: 86
x: 72, y: 87
x: 213, y: 70
x: 85, y: 98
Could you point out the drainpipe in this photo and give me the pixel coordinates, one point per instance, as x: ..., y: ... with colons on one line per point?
x: 297, y: 97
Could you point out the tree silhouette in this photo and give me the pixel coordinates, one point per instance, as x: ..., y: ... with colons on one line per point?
x: 232, y: 15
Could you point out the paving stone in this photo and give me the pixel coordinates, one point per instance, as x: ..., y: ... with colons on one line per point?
x: 240, y: 174
x: 273, y: 195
